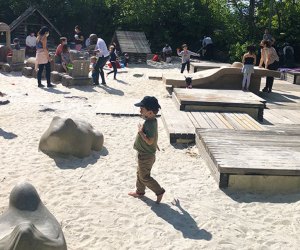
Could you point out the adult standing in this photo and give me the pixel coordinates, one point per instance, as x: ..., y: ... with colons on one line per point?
x: 167, y: 53
x: 268, y: 37
x: 42, y: 56
x: 207, y: 47
x: 288, y: 55
x: 103, y: 56
x: 79, y: 38
x: 270, y: 60
x: 30, y: 44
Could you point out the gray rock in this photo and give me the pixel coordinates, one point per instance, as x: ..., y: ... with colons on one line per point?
x: 71, y: 137
x: 27, y: 224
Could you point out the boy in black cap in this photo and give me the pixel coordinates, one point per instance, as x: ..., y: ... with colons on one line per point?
x: 145, y: 144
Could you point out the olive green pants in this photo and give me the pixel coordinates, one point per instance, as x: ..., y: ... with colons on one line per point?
x: 144, y: 179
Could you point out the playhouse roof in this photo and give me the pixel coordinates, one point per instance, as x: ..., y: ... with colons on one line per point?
x: 132, y: 42
x: 28, y: 13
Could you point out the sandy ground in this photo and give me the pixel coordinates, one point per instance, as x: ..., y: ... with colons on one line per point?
x: 89, y: 196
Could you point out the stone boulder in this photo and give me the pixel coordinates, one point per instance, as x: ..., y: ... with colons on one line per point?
x: 27, y: 224
x: 71, y: 137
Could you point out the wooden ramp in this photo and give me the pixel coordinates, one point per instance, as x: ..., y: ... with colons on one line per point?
x: 267, y: 153
x: 220, y: 78
x: 204, y: 65
x: 181, y: 125
x: 219, y: 101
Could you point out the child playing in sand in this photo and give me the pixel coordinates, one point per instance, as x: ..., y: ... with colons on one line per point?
x: 249, y: 60
x: 186, y: 55
x: 146, y: 144
x: 113, y: 61
x: 16, y: 42
x: 92, y: 68
x: 126, y: 60
x: 65, y: 57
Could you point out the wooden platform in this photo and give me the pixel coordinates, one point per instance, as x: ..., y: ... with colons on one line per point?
x: 181, y: 125
x: 178, y: 125
x: 293, y: 77
x: 267, y: 153
x: 219, y: 101
x: 118, y: 107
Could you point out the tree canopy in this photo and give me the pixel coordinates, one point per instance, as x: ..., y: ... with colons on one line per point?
x: 232, y: 24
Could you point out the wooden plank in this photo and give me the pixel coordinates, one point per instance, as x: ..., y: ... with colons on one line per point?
x: 208, y: 120
x: 178, y: 125
x: 231, y: 119
x: 224, y: 120
x: 202, y: 123
x: 240, y: 118
x: 217, y: 119
x: 254, y: 125
x: 293, y: 115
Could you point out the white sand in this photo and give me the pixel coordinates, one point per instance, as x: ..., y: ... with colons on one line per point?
x: 89, y: 196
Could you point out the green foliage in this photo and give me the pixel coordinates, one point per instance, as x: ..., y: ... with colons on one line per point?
x: 231, y: 24
x: 237, y: 51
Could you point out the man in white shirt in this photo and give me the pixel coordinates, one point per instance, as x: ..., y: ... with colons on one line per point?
x: 103, y: 56
x: 31, y: 44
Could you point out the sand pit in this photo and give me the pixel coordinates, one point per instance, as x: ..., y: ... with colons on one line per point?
x: 89, y: 196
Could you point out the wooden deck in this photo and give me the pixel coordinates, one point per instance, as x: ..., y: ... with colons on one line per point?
x: 235, y: 146
x: 118, y: 107
x: 265, y: 156
x: 181, y: 125
x: 219, y: 101
x: 272, y: 153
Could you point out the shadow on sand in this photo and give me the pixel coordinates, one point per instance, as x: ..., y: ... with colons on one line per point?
x: 55, y: 91
x: 121, y: 81
x: 71, y: 162
x: 85, y: 88
x: 111, y: 90
x: 263, y: 197
x: 277, y: 98
x: 180, y: 220
x: 7, y: 135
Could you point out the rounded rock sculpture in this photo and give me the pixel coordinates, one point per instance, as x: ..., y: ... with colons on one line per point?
x: 237, y: 65
x: 71, y: 137
x: 27, y: 224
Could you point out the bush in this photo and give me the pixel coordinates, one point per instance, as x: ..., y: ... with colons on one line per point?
x: 237, y: 51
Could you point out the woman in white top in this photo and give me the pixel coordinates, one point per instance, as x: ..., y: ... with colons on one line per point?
x: 270, y: 60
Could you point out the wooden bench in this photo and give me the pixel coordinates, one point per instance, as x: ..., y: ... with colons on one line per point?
x: 219, y: 101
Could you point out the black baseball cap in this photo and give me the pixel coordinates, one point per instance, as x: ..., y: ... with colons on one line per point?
x: 149, y: 102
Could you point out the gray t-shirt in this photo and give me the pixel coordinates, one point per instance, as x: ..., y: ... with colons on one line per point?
x: 186, y: 55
